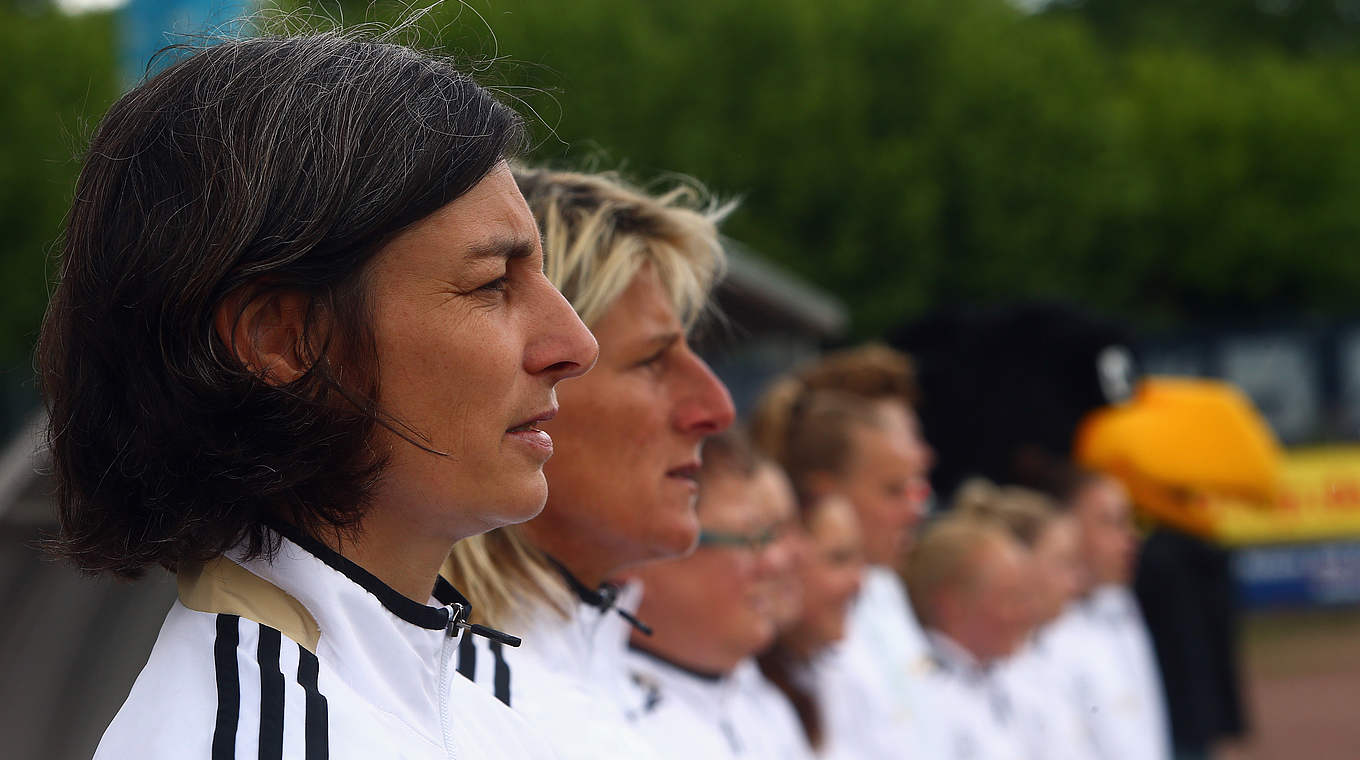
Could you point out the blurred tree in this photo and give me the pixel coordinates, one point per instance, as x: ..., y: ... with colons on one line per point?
x: 1297, y: 26
x: 903, y: 155
x: 911, y: 154
x: 60, y: 73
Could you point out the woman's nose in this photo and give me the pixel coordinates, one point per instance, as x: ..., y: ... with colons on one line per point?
x: 562, y: 346
x: 706, y: 406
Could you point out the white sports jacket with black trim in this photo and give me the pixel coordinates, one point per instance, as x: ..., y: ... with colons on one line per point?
x: 569, y: 678
x: 731, y: 716
x: 309, y: 656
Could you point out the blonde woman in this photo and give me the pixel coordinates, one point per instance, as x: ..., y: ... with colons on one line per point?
x: 1036, y: 677
x: 622, y: 487
x: 966, y: 577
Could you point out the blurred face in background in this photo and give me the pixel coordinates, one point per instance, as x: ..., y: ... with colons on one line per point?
x: 1056, y: 557
x: 831, y: 571
x: 773, y: 489
x: 1105, y: 529
x: 624, y: 480
x: 903, y: 420
x: 990, y: 614
x: 717, y: 606
x: 883, y: 481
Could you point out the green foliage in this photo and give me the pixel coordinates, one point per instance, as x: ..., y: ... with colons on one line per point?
x: 908, y: 155
x: 904, y: 155
x: 1297, y: 26
x: 60, y: 74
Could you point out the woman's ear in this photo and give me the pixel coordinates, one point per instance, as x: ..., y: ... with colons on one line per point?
x: 265, y: 330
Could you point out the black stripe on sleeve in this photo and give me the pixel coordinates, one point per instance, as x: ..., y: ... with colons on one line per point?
x: 502, y: 688
x: 271, y: 695
x: 228, y: 688
x: 467, y: 656
x: 318, y: 747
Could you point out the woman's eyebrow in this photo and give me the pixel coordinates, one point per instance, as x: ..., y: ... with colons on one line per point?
x: 663, y: 340
x: 502, y: 248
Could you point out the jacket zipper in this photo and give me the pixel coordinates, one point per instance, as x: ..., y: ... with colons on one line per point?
x: 445, y: 680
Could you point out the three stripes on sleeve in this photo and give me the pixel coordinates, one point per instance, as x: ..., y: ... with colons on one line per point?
x: 255, y: 664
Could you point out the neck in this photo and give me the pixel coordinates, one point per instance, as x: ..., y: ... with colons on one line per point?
x: 590, y: 563
x: 404, y: 559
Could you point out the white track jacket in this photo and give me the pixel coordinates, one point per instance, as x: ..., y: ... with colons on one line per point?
x: 734, y: 716
x: 309, y: 656
x: 1112, y: 676
x: 871, y: 684
x: 568, y: 678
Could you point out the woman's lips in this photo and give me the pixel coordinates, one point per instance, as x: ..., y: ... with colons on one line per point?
x: 527, y: 433
x: 686, y: 474
x: 533, y: 438
x: 687, y: 471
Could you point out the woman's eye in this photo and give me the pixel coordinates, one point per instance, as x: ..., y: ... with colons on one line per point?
x: 497, y: 285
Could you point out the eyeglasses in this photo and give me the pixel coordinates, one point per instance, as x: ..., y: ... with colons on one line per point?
x: 753, y: 541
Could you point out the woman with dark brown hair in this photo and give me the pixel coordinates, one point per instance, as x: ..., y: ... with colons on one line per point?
x: 301, y: 345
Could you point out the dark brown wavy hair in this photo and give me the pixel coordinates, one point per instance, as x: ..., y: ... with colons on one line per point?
x: 250, y: 166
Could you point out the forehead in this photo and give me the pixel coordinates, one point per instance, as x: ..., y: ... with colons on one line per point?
x: 1103, y: 499
x: 880, y: 447
x: 775, y: 491
x: 642, y: 312
x: 999, y: 560
x: 895, y: 413
x: 833, y: 520
x: 489, y: 221
x: 1059, y: 531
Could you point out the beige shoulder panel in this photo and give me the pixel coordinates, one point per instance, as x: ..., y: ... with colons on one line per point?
x: 221, y: 586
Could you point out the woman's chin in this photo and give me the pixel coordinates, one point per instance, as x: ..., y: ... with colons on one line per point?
x: 520, y: 504
x: 677, y: 538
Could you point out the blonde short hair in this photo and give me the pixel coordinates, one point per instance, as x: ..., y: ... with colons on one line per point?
x: 945, y: 558
x: 1020, y: 511
x: 598, y: 233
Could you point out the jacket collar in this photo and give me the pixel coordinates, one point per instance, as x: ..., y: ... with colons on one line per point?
x: 603, y: 598
x: 389, y: 650
x: 950, y: 656
x: 705, y: 693
x: 1112, y: 604
x: 587, y: 643
x: 428, y: 617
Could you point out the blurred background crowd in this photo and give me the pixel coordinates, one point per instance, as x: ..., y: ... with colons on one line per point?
x: 1085, y: 270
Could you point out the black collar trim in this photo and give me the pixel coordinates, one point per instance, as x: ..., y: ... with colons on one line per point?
x: 453, y: 599
x: 452, y: 616
x: 603, y: 598
x: 702, y: 675
x: 413, y: 612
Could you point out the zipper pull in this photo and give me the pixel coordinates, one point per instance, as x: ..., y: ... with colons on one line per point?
x: 458, y: 622
x: 643, y: 628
